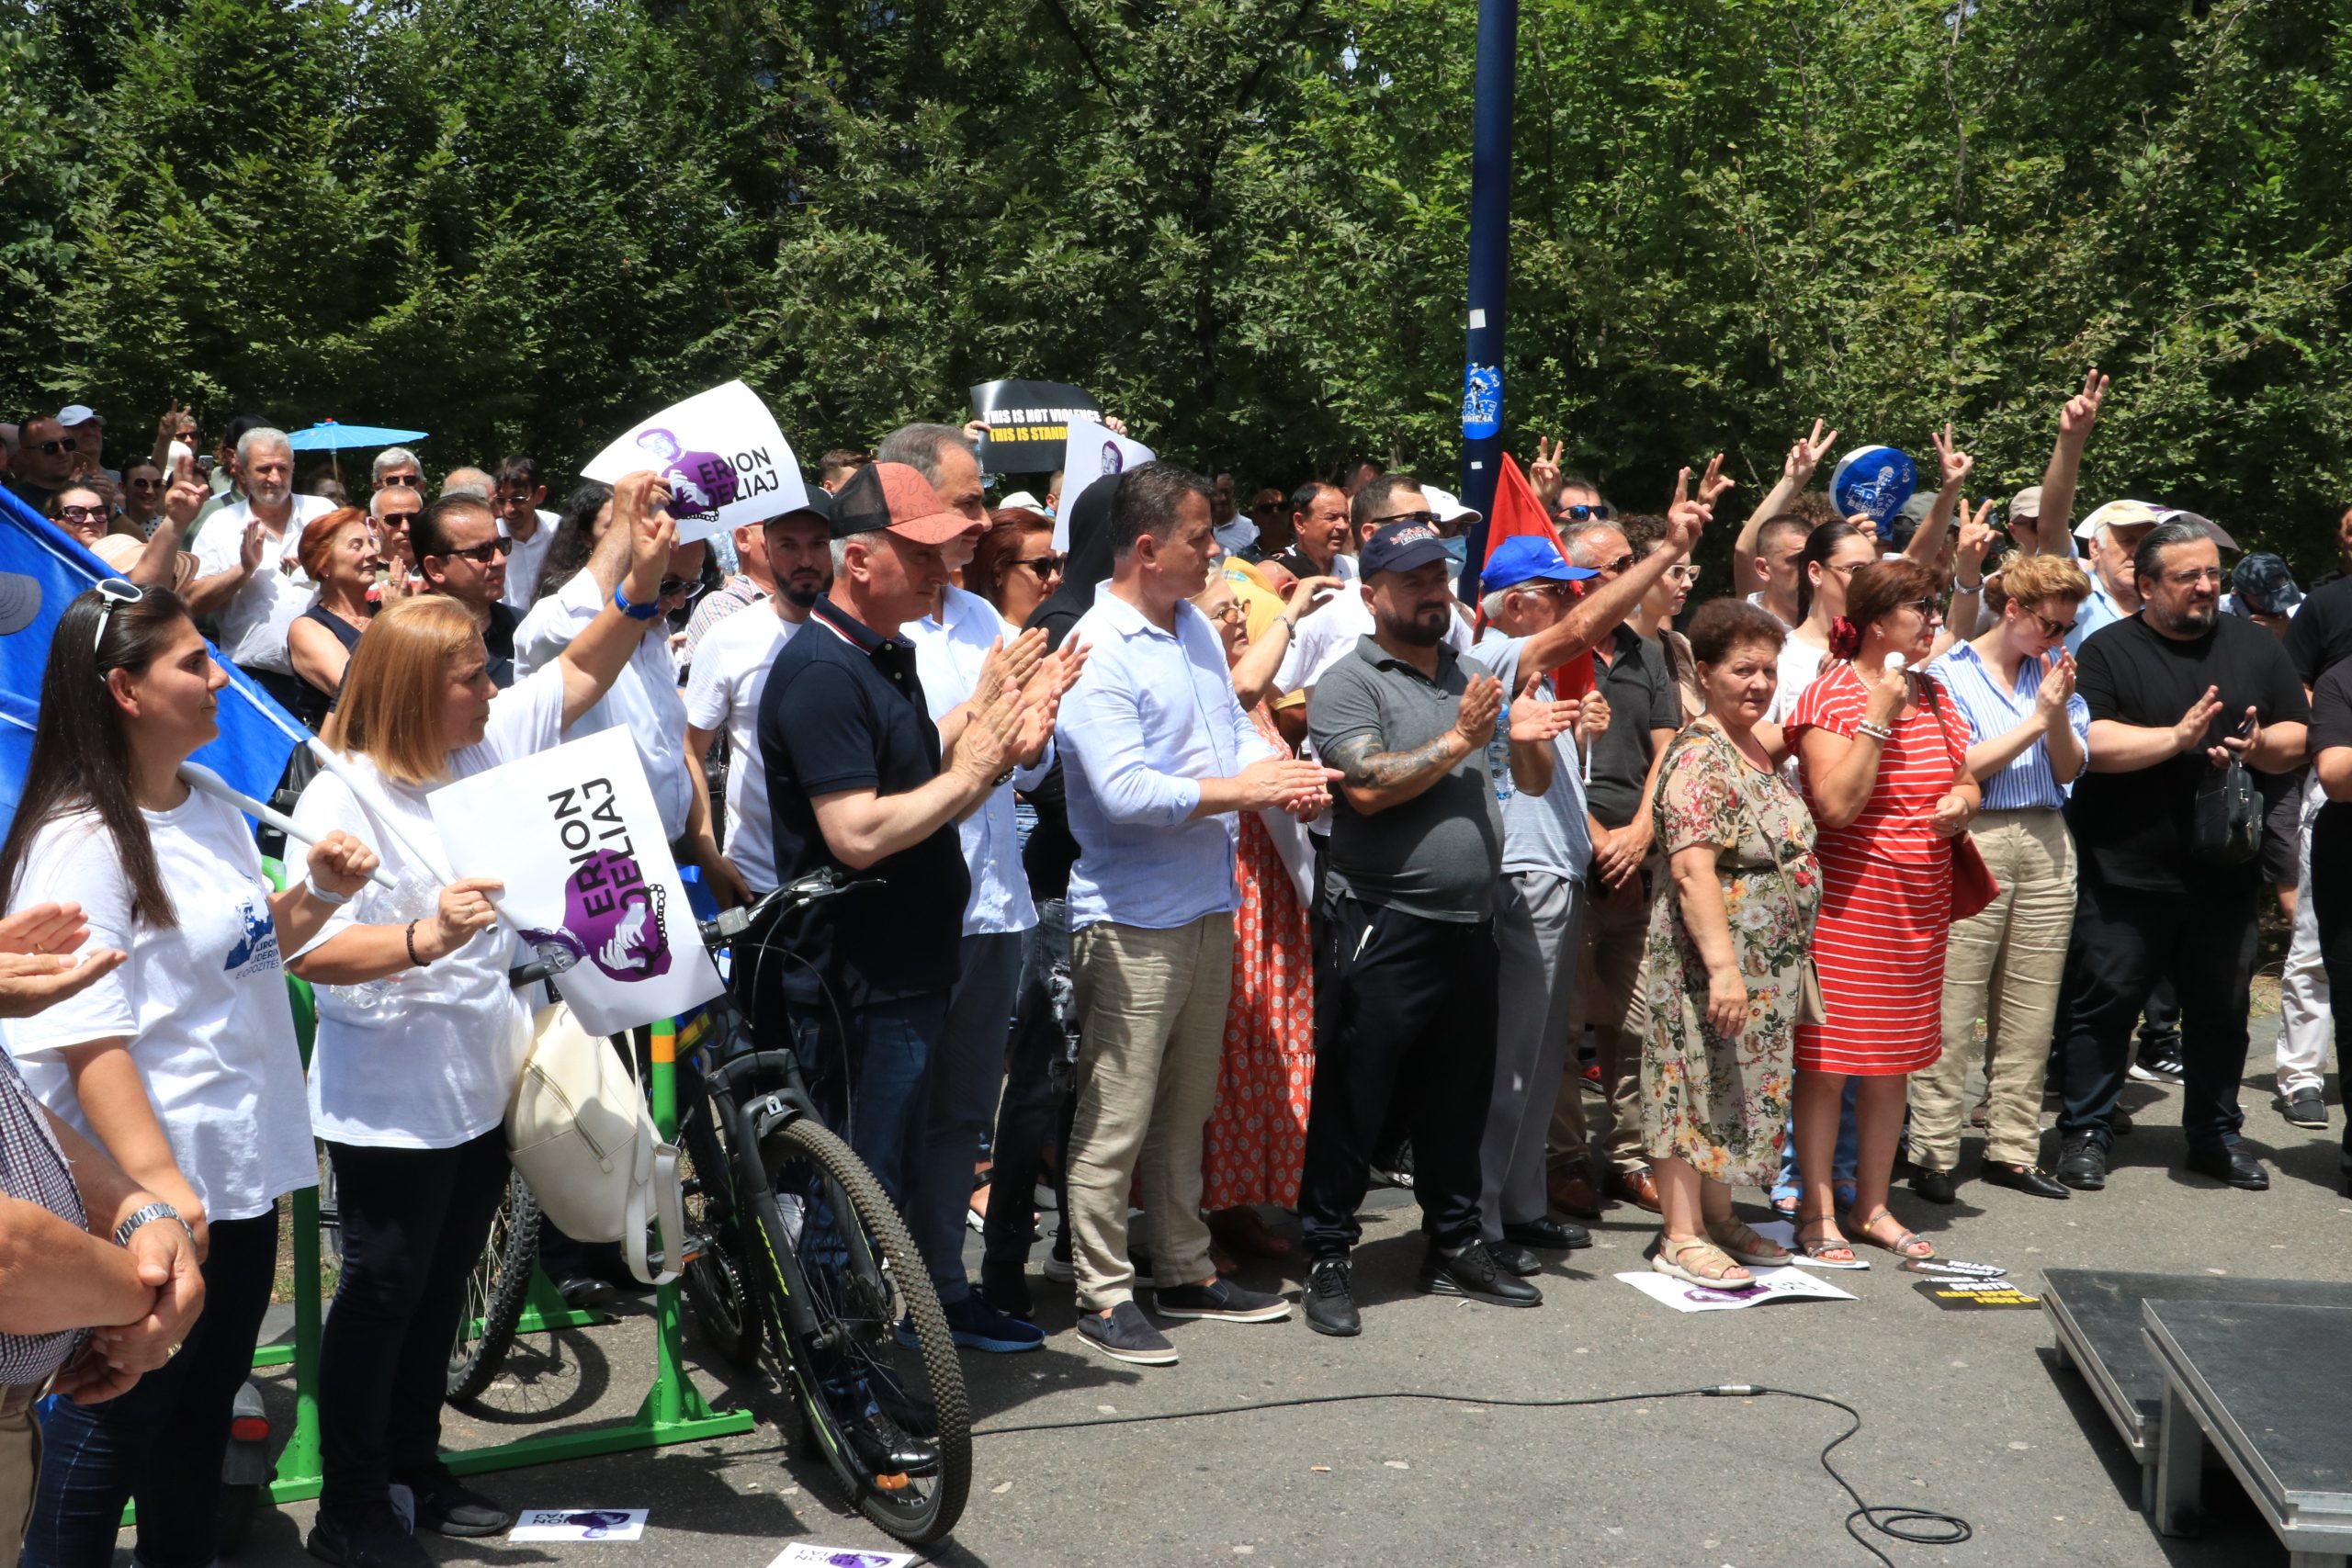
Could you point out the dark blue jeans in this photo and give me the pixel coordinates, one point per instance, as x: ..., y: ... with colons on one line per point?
x: 161, y: 1443
x: 888, y: 1054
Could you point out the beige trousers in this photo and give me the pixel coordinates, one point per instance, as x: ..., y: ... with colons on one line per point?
x: 20, y: 1468
x: 2004, y: 965
x: 1151, y: 1034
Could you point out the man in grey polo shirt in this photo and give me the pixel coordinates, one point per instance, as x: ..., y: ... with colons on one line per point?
x: 1404, y: 958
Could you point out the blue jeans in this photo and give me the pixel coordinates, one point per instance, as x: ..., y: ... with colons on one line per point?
x: 1842, y: 1162
x: 888, y: 1054
x: 161, y: 1443
x: 967, y: 1069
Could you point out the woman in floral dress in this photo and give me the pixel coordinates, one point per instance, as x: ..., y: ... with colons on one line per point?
x: 1728, y: 949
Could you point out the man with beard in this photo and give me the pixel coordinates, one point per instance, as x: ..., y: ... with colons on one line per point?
x: 244, y: 562
x: 1406, y: 965
x: 2177, y: 693
x: 793, y: 553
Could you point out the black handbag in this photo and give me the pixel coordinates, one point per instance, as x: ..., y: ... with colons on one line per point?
x: 2225, y: 827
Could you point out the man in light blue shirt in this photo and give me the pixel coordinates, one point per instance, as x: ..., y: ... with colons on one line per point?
x: 1547, y: 843
x: 1157, y: 757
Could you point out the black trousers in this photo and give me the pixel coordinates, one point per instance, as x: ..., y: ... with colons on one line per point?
x: 414, y: 1225
x: 1034, y: 1110
x: 2123, y: 943
x: 2332, y: 903
x: 1404, y: 1010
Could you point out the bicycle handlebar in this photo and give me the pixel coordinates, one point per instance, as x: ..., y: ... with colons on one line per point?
x: 815, y: 887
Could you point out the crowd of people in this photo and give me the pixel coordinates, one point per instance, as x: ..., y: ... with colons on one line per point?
x: 1232, y: 861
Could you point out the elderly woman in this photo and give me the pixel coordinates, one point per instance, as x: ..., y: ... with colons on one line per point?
x: 1727, y: 952
x: 1255, y: 1146
x: 420, y: 1040
x: 1885, y: 772
x: 2029, y: 736
x: 338, y: 553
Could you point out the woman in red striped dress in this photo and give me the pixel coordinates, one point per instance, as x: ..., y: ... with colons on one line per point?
x: 1885, y: 772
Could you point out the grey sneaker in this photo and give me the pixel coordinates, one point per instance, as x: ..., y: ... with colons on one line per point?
x: 1220, y: 1299
x: 2305, y: 1108
x: 1127, y: 1335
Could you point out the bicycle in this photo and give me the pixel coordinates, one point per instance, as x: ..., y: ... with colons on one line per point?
x: 496, y: 1293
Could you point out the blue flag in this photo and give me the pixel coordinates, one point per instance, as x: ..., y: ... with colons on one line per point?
x: 256, y: 735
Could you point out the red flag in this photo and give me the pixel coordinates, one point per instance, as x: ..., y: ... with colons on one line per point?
x: 1518, y: 513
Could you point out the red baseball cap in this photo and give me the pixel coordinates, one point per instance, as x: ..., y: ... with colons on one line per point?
x: 897, y: 497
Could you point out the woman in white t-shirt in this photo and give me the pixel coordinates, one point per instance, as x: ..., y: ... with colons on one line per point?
x: 181, y: 1064
x: 421, y: 1040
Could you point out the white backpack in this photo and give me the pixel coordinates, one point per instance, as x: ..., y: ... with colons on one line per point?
x: 579, y: 1130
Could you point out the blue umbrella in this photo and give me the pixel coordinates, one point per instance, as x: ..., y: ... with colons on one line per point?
x: 328, y: 436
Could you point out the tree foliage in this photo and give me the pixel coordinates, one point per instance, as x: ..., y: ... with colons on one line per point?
x: 1241, y: 223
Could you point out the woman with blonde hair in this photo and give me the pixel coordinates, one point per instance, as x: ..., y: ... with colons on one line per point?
x: 2029, y: 738
x: 419, y: 1040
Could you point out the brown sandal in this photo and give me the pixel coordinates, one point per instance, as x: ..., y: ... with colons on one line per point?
x: 1907, y: 1245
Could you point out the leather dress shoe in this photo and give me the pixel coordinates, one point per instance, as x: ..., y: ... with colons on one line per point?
x: 1638, y: 1188
x: 1572, y: 1193
x: 1472, y: 1272
x: 1935, y: 1186
x: 1512, y: 1259
x: 1548, y: 1235
x: 2231, y: 1165
x: 2082, y: 1163
x: 2030, y: 1179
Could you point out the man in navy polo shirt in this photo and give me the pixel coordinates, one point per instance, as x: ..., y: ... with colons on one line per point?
x: 861, y: 783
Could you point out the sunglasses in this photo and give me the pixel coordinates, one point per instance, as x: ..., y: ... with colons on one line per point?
x: 63, y: 443
x: 410, y: 480
x: 1685, y: 573
x: 1620, y: 564
x: 111, y: 592
x: 1596, y: 513
x: 1232, y: 613
x: 676, y: 585
x: 80, y: 515
x: 1044, y: 565
x: 2053, y: 628
x: 1927, y: 607
x: 482, y: 555
x: 1429, y: 518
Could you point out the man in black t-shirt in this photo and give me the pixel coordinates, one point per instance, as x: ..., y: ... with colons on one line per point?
x: 2177, y: 693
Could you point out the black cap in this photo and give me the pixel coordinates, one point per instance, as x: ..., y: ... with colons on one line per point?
x: 819, y: 506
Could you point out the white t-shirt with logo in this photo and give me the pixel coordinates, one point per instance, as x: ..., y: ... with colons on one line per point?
x: 253, y: 623
x: 730, y: 671
x: 427, y: 1058
x: 203, y: 1004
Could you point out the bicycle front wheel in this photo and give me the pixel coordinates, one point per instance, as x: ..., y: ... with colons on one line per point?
x: 496, y: 1293
x: 877, y: 1377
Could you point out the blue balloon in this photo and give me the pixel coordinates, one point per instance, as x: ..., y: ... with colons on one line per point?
x: 1873, y: 482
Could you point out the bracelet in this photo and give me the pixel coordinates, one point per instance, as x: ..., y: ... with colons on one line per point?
x: 635, y: 611
x: 1959, y: 587
x: 409, y: 937
x: 333, y: 900
x: 1001, y: 779
x: 1875, y: 731
x: 148, y: 1214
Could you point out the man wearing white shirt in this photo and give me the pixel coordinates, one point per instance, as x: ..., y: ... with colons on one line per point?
x: 1328, y: 634
x: 1158, y: 757
x: 645, y: 699
x: 522, y: 519
x: 1318, y: 526
x: 248, y: 576
x: 730, y: 671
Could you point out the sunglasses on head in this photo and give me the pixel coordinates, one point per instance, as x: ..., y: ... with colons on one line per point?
x: 1596, y: 513
x: 112, y: 590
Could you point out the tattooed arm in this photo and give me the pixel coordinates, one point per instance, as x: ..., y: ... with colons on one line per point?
x: 1375, y: 780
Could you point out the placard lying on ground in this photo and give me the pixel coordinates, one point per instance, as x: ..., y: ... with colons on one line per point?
x: 802, y: 1554
x: 590, y: 884
x: 1977, y: 1295
x: 1772, y: 1285
x: 579, y: 1524
x: 725, y: 459
x: 1028, y: 423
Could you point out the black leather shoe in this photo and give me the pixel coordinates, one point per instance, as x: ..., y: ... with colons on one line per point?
x: 2082, y: 1163
x: 372, y: 1538
x: 1935, y: 1186
x: 1548, y: 1235
x: 886, y: 1448
x: 2231, y: 1165
x: 1513, y: 1259
x: 1330, y: 1298
x: 2030, y: 1179
x: 586, y: 1292
x: 1473, y: 1271
x: 446, y: 1507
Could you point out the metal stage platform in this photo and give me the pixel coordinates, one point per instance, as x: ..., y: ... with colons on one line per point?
x: 2259, y: 1369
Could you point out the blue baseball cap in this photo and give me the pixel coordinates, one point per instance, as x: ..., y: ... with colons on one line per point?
x: 1525, y: 558
x: 1403, y: 545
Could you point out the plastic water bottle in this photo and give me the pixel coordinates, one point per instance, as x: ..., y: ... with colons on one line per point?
x: 1498, y: 755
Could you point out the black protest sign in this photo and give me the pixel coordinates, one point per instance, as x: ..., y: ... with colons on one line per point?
x: 1028, y: 423
x: 1977, y: 1295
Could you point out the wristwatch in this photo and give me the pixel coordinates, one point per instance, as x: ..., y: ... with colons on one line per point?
x: 152, y: 1211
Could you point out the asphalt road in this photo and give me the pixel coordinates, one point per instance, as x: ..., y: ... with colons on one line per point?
x: 1968, y: 1414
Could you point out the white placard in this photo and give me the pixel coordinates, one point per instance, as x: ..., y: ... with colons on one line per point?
x: 726, y: 462
x: 803, y: 1554
x: 1092, y: 452
x: 574, y: 835
x: 579, y: 1524
x: 1772, y: 1285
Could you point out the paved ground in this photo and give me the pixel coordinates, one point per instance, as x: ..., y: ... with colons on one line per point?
x: 1967, y: 1414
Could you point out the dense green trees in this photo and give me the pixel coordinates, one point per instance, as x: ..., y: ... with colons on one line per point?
x: 1239, y: 221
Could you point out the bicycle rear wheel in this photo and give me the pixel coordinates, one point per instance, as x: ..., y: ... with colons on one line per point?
x: 496, y: 1293
x: 715, y: 1292
x: 865, y: 1281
